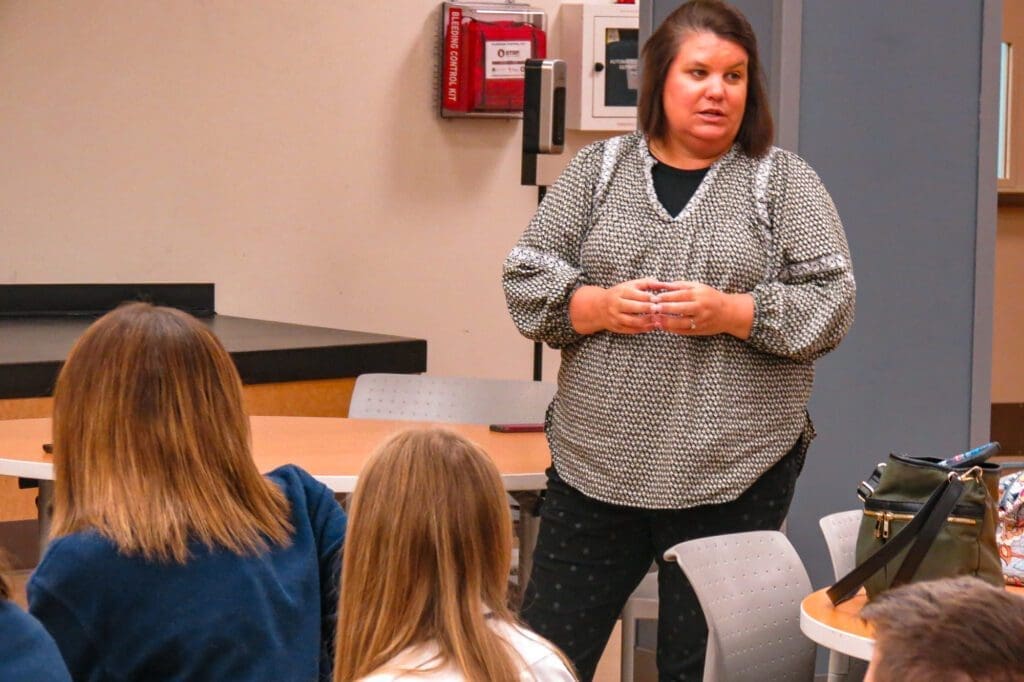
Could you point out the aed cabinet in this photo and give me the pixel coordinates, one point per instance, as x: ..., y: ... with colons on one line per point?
x: 600, y: 45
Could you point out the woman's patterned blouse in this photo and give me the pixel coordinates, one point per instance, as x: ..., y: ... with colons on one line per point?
x: 659, y: 420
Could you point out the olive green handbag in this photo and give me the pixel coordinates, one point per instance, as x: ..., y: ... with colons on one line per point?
x: 924, y: 521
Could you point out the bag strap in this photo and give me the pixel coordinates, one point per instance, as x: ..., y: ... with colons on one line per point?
x: 867, y: 488
x: 923, y: 528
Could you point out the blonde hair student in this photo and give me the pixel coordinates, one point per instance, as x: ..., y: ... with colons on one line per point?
x: 425, y: 574
x: 171, y: 556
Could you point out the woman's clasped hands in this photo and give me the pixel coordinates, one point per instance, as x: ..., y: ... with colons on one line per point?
x: 645, y: 305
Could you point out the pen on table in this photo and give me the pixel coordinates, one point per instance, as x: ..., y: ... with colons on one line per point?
x: 518, y: 428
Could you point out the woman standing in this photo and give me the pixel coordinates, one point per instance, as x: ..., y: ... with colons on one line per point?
x: 691, y: 274
x: 172, y: 558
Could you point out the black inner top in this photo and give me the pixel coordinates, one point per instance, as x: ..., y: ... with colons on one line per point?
x: 675, y: 186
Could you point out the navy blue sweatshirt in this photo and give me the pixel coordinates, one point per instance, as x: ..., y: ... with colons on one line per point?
x: 27, y: 652
x: 220, y: 616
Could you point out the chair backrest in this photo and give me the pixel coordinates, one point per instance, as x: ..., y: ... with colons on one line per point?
x: 840, y: 531
x: 750, y: 586
x: 449, y: 399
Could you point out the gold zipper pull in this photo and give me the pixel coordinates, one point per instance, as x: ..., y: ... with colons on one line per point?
x: 878, y: 526
x: 886, y: 518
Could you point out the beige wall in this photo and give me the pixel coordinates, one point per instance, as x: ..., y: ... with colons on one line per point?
x: 287, y: 151
x: 276, y: 149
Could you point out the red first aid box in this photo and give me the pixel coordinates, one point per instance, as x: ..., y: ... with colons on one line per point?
x: 497, y: 70
x: 484, y: 54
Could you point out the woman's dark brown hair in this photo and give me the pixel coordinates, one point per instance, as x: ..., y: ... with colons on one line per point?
x: 726, y: 22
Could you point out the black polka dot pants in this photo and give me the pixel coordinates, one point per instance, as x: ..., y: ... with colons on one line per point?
x: 591, y: 555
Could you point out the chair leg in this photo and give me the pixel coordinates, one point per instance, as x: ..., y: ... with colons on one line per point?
x: 628, y: 644
x: 44, y: 508
x: 527, y: 529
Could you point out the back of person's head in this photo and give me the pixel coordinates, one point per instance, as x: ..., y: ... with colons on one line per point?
x: 956, y: 629
x: 426, y: 558
x: 660, y: 50
x: 151, y: 441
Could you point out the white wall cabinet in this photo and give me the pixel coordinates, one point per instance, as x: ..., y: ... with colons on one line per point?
x: 600, y: 45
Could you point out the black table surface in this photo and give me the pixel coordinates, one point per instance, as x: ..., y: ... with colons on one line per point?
x: 32, y: 350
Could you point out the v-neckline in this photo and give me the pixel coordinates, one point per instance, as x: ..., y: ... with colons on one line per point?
x: 652, y: 195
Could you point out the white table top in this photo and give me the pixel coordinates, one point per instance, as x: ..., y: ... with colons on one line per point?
x: 838, y: 628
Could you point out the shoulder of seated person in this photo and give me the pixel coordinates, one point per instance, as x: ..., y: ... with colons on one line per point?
x: 531, y: 646
x: 61, y: 567
x: 85, y: 544
x: 293, y: 475
x: 11, y: 613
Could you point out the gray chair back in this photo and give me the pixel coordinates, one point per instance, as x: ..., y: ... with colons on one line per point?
x: 750, y: 586
x: 449, y: 399
x: 840, y: 530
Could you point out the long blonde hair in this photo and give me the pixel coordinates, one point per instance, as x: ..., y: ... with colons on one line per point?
x: 426, y: 557
x: 151, y: 441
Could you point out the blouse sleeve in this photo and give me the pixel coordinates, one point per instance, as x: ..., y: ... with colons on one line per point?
x: 543, y: 270
x: 807, y: 310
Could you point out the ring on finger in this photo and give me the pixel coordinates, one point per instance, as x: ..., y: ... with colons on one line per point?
x: 693, y: 323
